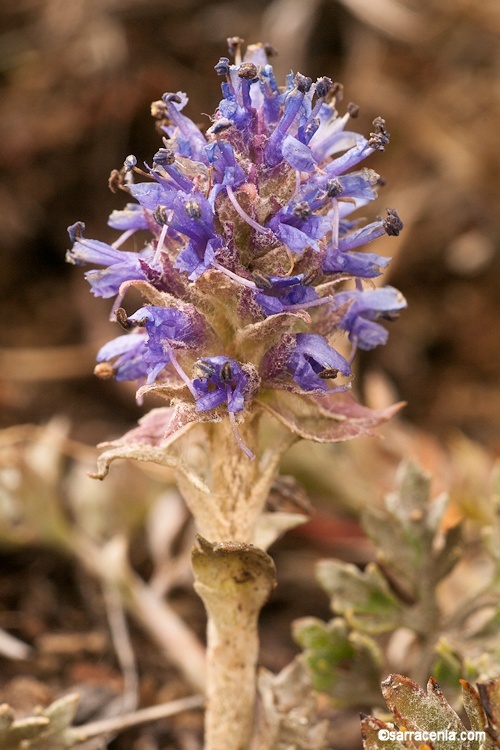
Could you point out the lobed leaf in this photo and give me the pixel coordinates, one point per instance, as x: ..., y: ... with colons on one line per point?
x: 344, y: 664
x: 362, y: 597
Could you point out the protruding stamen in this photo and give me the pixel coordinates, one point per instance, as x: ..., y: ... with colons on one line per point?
x: 246, y: 450
x: 181, y: 373
x: 311, y: 303
x: 243, y: 213
x: 234, y: 276
x: 234, y: 47
x: 123, y: 238
x: 159, y: 246
x: 335, y: 223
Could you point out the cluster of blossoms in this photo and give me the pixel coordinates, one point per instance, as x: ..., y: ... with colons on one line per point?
x: 250, y: 238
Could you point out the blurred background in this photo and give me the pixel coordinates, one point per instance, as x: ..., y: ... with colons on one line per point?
x: 76, y: 82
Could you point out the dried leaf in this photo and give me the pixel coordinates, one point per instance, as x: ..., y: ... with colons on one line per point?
x: 325, y: 419
x: 271, y: 526
x: 473, y: 707
x: 427, y: 712
x: 370, y: 729
x: 289, y: 715
x: 490, y: 698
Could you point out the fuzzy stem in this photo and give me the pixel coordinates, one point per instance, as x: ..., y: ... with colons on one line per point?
x: 234, y: 580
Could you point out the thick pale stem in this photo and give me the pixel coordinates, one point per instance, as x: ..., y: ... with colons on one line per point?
x: 234, y: 580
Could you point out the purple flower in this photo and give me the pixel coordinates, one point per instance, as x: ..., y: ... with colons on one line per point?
x: 131, y: 217
x: 167, y: 329
x: 281, y: 293
x: 339, y: 257
x: 296, y: 108
x: 226, y: 170
x: 192, y: 215
x: 312, y: 361
x: 119, y: 265
x: 128, y: 353
x: 298, y: 228
x: 146, y: 354
x: 366, y: 307
x: 186, y: 138
x: 362, y: 265
x: 220, y: 380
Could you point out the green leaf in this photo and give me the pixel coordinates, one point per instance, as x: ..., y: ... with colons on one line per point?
x: 344, y: 664
x: 362, y: 597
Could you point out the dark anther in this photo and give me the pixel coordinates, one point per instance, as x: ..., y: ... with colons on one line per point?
x: 104, y: 370
x: 167, y: 98
x: 164, y: 156
x: 123, y: 320
x: 380, y: 137
x: 219, y: 125
x: 261, y: 280
x: 336, y: 92
x: 160, y: 215
x: 270, y: 50
x: 222, y: 67
x: 203, y: 369
x: 391, y: 316
x: 303, y: 83
x: 310, y: 277
x: 329, y: 373
x: 247, y: 70
x: 226, y: 372
x: 159, y: 110
x: 234, y: 44
x: 75, y: 231
x: 323, y: 86
x: 392, y: 223
x: 193, y: 209
x: 116, y: 180
x: 334, y: 188
x: 353, y: 110
x: 302, y: 210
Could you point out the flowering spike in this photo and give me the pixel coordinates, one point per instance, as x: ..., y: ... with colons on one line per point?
x: 251, y: 231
